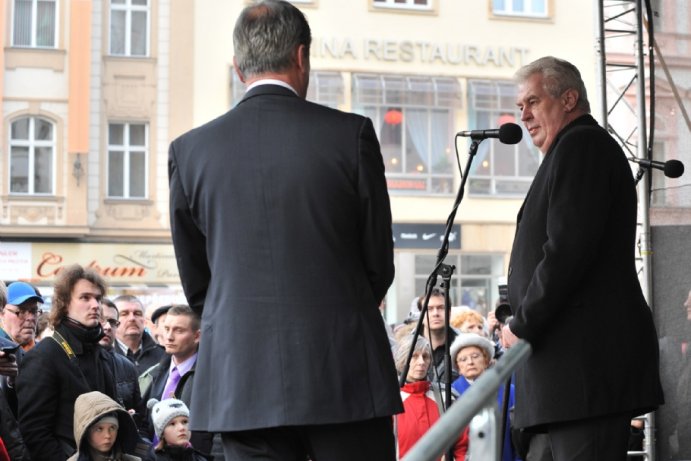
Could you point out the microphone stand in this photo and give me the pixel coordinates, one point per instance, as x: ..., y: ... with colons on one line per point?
x: 445, y: 271
x: 639, y: 175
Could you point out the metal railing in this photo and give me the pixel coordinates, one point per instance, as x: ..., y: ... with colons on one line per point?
x: 478, y: 409
x: 480, y: 399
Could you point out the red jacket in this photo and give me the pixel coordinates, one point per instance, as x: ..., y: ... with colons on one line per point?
x: 420, y: 412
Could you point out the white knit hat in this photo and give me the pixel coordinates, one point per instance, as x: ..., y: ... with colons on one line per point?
x: 464, y: 340
x: 164, y: 411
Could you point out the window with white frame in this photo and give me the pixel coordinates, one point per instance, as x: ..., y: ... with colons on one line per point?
x: 32, y: 156
x: 127, y: 160
x: 424, y: 5
x: 413, y: 117
x: 499, y: 169
x: 129, y: 27
x: 474, y: 284
x: 528, y: 8
x: 34, y: 23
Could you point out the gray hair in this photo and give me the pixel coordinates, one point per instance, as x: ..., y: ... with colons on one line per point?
x: 403, y: 349
x: 266, y: 35
x: 559, y: 75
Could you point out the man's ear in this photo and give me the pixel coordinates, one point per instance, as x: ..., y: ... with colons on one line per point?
x: 302, y: 57
x: 237, y: 70
x: 570, y: 99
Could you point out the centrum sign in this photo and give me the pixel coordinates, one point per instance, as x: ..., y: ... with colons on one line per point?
x: 118, y: 263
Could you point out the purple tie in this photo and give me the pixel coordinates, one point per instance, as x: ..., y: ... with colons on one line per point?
x: 173, y: 380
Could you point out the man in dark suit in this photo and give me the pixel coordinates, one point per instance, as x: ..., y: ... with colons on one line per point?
x: 281, y: 223
x: 573, y: 286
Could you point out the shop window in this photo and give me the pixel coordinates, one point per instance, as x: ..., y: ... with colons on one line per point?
x: 474, y: 284
x: 127, y: 160
x: 526, y: 8
x: 34, y: 23
x: 32, y: 156
x: 129, y: 27
x: 499, y: 169
x: 413, y: 117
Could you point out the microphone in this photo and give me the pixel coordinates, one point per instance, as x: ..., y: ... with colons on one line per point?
x: 671, y: 168
x: 508, y: 133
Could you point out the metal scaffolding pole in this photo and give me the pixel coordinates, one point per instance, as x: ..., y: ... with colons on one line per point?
x: 620, y: 20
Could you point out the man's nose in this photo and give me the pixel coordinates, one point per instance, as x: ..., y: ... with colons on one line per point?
x: 525, y: 114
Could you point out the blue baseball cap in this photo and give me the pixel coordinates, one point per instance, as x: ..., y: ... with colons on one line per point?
x: 19, y: 292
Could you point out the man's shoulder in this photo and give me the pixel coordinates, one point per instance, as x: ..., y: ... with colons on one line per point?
x: 122, y: 361
x: 151, y: 346
x: 47, y: 346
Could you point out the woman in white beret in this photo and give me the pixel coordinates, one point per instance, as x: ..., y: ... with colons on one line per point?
x: 472, y: 354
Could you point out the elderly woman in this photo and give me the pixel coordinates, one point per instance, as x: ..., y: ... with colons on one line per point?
x: 420, y: 404
x: 472, y: 354
x: 467, y: 320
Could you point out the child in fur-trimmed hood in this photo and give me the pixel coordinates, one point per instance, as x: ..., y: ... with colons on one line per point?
x: 103, y: 430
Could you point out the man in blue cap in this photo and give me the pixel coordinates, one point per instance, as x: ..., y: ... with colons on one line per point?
x: 9, y: 428
x: 20, y: 314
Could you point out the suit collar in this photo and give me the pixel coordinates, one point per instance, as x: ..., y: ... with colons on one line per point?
x: 585, y: 119
x: 268, y: 89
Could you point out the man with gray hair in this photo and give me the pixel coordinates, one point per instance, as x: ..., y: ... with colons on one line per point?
x: 281, y: 224
x: 572, y: 275
x: 132, y: 339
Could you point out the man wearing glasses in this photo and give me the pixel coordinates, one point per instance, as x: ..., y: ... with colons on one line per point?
x: 126, y: 377
x: 20, y: 314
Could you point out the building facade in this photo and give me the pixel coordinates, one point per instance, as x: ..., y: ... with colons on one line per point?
x: 94, y: 91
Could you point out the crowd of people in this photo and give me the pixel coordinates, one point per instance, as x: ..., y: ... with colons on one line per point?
x: 295, y: 362
x: 108, y: 382
x: 97, y: 385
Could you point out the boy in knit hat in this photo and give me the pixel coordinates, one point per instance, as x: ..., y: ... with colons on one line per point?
x: 171, y: 424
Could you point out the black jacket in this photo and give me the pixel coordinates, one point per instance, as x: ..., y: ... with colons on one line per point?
x: 9, y: 427
x: 127, y: 386
x: 171, y: 453
x: 149, y: 353
x: 49, y: 382
x: 574, y: 290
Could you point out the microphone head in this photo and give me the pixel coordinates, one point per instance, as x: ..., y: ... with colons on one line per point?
x: 673, y: 168
x: 510, y: 133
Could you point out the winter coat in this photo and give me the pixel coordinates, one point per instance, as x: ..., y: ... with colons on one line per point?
x: 420, y: 413
x: 88, y: 409
x: 49, y: 382
x: 461, y: 385
x: 573, y: 262
x: 150, y: 353
x: 127, y: 386
x: 9, y: 427
x: 174, y: 453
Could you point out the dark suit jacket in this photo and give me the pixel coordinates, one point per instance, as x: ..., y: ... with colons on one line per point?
x: 574, y: 290
x: 282, y: 230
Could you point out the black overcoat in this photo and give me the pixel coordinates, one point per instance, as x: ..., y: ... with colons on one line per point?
x: 48, y: 384
x: 574, y: 289
x: 281, y: 223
